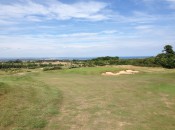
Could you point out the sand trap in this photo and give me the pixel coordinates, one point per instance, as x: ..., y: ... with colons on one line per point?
x: 120, y: 73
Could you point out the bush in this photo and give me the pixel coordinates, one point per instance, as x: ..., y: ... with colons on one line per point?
x: 167, y: 59
x: 52, y: 68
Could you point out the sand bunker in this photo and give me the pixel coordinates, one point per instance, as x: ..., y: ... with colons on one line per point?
x: 120, y: 73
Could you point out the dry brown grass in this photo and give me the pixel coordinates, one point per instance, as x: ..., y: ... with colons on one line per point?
x: 94, y: 102
x: 144, y: 101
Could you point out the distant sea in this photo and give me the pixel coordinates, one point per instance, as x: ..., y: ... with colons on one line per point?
x: 65, y: 58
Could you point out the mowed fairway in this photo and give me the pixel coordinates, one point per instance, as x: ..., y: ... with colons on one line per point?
x: 83, y: 99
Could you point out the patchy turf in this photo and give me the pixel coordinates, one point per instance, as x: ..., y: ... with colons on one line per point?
x: 26, y: 103
x: 144, y: 101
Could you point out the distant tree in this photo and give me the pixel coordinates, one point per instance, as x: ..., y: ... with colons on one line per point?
x: 168, y: 49
x: 166, y: 59
x: 107, y: 60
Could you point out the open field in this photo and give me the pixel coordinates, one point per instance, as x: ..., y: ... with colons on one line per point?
x: 83, y: 99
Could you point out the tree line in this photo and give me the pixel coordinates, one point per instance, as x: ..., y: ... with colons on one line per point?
x: 165, y: 59
x: 17, y: 64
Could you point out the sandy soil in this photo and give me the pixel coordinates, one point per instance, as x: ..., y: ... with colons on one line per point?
x: 120, y: 73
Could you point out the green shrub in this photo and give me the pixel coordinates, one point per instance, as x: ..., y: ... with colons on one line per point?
x: 167, y: 59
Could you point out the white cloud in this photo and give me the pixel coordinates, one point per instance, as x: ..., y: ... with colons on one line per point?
x: 145, y: 28
x: 107, y: 42
x: 170, y: 0
x: 82, y: 34
x: 53, y: 9
x: 30, y: 10
x: 171, y: 3
x: 139, y: 33
x: 88, y: 34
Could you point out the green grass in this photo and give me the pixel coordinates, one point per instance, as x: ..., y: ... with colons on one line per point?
x: 81, y: 98
x: 27, y: 103
x: 90, y: 70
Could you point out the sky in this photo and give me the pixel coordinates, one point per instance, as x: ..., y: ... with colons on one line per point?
x: 85, y: 28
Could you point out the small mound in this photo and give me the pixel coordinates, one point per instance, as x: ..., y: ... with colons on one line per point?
x: 120, y: 73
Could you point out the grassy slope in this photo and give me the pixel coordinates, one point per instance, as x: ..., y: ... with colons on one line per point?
x: 26, y: 103
x: 145, y: 101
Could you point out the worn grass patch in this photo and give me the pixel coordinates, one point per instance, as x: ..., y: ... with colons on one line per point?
x: 143, y: 101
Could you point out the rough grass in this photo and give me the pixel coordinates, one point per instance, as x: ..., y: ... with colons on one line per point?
x: 26, y: 103
x: 144, y: 101
x: 90, y: 70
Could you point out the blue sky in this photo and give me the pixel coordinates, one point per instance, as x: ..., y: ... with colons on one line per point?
x: 85, y: 28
